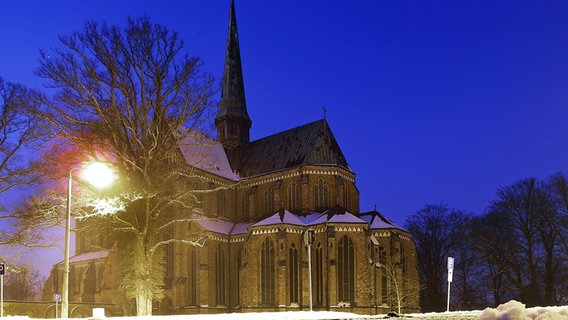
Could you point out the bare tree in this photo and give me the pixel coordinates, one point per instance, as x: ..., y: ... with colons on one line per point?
x: 521, y: 239
x: 130, y: 96
x: 399, y: 289
x: 21, y: 135
x: 22, y: 283
x: 491, y: 241
x: 437, y: 231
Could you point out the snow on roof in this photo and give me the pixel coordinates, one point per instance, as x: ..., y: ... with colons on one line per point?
x: 282, y: 216
x: 309, y: 218
x: 88, y: 256
x: 346, y: 217
x: 377, y: 221
x: 207, y: 154
x: 222, y: 226
x: 241, y: 228
x: 319, y: 219
x: 218, y: 226
x: 330, y: 216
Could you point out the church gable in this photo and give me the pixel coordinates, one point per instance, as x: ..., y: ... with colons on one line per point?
x: 312, y: 143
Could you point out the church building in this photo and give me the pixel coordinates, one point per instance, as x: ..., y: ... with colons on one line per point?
x: 283, y: 229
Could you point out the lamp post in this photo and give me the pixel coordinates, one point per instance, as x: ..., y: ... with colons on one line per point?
x: 99, y: 175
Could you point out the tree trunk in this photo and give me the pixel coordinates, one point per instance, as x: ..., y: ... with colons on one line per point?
x: 143, y: 280
x: 143, y: 304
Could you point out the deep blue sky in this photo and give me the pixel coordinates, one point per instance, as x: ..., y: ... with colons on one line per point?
x: 430, y: 100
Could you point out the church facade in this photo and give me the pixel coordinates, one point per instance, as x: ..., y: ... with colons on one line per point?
x: 283, y: 231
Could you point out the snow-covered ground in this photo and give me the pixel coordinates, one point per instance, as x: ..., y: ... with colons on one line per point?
x: 512, y: 310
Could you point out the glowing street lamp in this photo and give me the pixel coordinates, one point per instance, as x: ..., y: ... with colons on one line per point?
x: 99, y: 175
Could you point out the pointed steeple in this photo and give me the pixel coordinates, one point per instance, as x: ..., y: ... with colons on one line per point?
x: 233, y: 122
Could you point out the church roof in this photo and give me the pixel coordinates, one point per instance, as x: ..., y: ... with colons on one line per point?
x: 309, y: 144
x: 87, y: 256
x: 377, y: 220
x: 334, y: 215
x: 282, y: 216
x: 207, y: 154
x: 217, y: 225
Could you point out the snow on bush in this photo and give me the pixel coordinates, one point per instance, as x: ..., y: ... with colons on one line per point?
x: 514, y: 310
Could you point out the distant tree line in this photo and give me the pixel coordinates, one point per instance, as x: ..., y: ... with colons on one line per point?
x: 517, y: 249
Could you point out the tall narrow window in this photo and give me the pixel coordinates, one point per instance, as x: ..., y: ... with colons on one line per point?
x: 294, y: 274
x: 267, y: 272
x: 191, y: 284
x: 221, y: 204
x: 402, y: 267
x: 269, y: 200
x: 245, y: 207
x: 197, y: 195
x: 220, y: 276
x: 170, y: 262
x: 293, y: 197
x: 345, y: 196
x: 345, y: 270
x: 384, y: 284
x: 321, y: 194
x: 318, y: 275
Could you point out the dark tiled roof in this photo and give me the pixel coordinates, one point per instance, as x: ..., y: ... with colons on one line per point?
x: 312, y: 143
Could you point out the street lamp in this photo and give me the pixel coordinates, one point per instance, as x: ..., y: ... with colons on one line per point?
x: 99, y: 175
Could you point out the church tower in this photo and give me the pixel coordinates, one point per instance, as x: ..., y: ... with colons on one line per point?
x: 233, y: 122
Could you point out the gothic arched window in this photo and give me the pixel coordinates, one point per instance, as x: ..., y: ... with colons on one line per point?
x: 220, y: 275
x: 294, y: 274
x: 384, y: 285
x: 221, y: 204
x: 191, y: 284
x: 269, y: 200
x: 345, y: 196
x: 267, y: 272
x: 293, y: 196
x: 321, y: 194
x: 245, y: 207
x: 345, y: 270
x: 317, y: 263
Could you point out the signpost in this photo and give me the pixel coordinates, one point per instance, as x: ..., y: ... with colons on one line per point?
x: 56, y: 298
x: 2, y: 273
x: 450, y: 278
x: 309, y: 237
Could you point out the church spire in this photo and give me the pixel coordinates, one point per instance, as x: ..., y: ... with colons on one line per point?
x: 233, y: 122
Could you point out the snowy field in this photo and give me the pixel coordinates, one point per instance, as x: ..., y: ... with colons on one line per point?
x: 511, y: 310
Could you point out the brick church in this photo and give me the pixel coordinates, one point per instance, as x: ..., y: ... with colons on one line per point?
x: 274, y: 196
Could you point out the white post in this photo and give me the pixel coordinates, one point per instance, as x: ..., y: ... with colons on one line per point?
x: 99, y: 175
x: 2, y: 272
x: 65, y: 292
x: 448, y: 308
x: 450, y: 276
x: 310, y: 274
x: 1, y: 295
x: 308, y: 240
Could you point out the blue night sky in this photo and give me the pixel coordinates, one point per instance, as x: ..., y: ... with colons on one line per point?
x: 430, y: 100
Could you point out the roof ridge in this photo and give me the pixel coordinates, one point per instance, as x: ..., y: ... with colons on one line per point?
x: 288, y: 130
